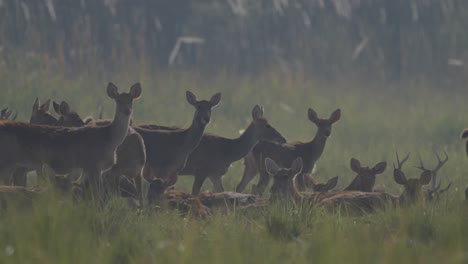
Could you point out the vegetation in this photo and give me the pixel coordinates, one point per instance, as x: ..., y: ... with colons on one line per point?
x: 376, y: 121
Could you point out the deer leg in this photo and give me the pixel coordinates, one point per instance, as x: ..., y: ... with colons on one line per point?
x: 197, y: 184
x: 5, y: 174
x: 20, y: 176
x: 262, y: 183
x: 138, y: 184
x: 93, y: 177
x: 217, y: 183
x: 250, y: 171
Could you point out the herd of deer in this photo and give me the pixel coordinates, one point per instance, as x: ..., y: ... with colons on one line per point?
x: 99, y: 157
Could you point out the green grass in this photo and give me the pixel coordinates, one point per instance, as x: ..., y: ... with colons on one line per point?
x: 376, y: 121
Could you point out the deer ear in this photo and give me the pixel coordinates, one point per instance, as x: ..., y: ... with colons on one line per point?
x: 45, y: 106
x: 191, y: 98
x: 215, y: 99
x: 64, y: 108
x: 296, y: 166
x: 56, y: 107
x: 355, y: 165
x: 380, y: 167
x: 135, y: 90
x: 112, y: 90
x: 257, y: 112
x: 35, y: 107
x: 271, y: 167
x: 312, y: 115
x: 399, y: 177
x: 332, y: 183
x: 425, y: 177
x: 335, y: 116
x: 3, y: 111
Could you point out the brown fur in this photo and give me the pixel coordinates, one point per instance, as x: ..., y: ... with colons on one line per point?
x: 285, y: 154
x: 167, y: 151
x: 63, y: 149
x: 365, y: 178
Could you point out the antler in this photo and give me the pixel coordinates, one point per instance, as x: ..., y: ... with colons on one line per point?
x: 435, y: 186
x: 400, y: 163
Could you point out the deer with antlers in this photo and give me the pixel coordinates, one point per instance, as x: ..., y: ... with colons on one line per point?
x: 435, y: 191
x: 285, y: 154
x: 63, y: 149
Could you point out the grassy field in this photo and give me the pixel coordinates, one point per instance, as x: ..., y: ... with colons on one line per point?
x: 376, y: 121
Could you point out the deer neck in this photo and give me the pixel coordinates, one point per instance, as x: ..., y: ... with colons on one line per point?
x: 119, y: 127
x: 317, y: 145
x: 242, y: 145
x: 194, y: 134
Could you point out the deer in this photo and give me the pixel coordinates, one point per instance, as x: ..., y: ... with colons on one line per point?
x: 365, y: 178
x: 434, y: 192
x: 167, y: 151
x: 214, y: 155
x: 285, y: 154
x: 285, y: 187
x: 369, y: 201
x: 63, y: 149
x: 131, y: 154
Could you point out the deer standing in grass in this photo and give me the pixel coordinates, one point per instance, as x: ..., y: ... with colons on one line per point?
x: 167, y: 151
x: 285, y: 154
x: 213, y: 156
x: 131, y: 154
x: 63, y: 149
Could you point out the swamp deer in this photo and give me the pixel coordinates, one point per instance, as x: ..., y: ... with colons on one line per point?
x: 213, y: 156
x: 434, y: 192
x: 63, y: 149
x: 167, y: 150
x: 131, y: 154
x: 285, y: 154
x: 369, y: 201
x: 284, y: 186
x: 365, y: 178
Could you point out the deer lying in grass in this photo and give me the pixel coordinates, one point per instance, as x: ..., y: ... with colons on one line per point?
x: 63, y: 149
x: 365, y: 178
x: 285, y: 154
x: 131, y: 154
x: 167, y: 151
x: 433, y: 193
x: 284, y: 187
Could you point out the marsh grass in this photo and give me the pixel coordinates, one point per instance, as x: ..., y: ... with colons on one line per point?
x: 376, y: 121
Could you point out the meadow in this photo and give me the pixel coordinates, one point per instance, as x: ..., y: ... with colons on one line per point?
x: 377, y: 120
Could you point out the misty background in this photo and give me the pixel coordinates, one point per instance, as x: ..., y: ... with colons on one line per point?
x: 327, y: 40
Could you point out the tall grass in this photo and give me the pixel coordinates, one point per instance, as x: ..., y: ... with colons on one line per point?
x: 374, y: 124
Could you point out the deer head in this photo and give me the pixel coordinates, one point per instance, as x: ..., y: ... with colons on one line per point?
x: 124, y: 100
x: 156, y: 190
x: 324, y: 125
x: 412, y: 187
x: 320, y: 187
x: 263, y: 129
x: 67, y: 117
x: 283, y: 178
x: 40, y: 114
x: 365, y: 178
x: 203, y: 107
x: 435, y: 191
